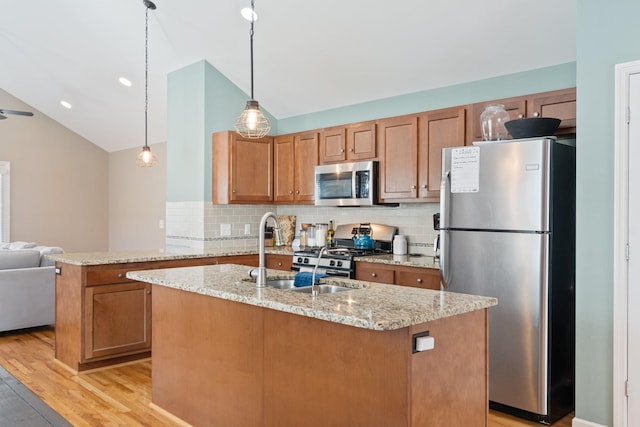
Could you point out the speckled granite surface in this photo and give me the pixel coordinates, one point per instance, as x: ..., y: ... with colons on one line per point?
x: 422, y: 261
x: 369, y: 305
x: 98, y: 258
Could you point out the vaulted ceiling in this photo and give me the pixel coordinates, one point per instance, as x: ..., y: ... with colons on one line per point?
x: 309, y: 56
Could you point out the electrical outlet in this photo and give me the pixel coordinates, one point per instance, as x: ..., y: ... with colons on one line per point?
x: 161, y: 224
x: 247, y: 229
x: 225, y: 229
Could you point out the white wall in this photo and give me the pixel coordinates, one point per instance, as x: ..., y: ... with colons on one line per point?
x: 137, y: 200
x: 59, y: 186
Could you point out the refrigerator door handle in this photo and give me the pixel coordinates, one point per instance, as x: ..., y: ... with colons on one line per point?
x: 445, y: 188
x: 444, y: 247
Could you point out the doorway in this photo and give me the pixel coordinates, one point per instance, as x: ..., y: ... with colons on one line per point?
x: 626, y: 352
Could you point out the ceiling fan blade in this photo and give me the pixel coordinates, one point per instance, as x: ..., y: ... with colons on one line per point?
x: 19, y: 113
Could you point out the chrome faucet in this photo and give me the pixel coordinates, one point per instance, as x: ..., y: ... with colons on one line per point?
x: 314, y: 287
x: 261, y: 279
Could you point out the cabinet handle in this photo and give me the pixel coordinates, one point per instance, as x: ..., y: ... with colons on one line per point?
x: 233, y: 191
x: 424, y: 186
x: 419, y: 280
x: 290, y: 191
x: 374, y: 275
x: 536, y: 114
x: 279, y: 264
x: 149, y: 292
x: 351, y: 149
x: 120, y: 275
x: 520, y: 115
x: 342, y: 150
x: 297, y: 191
x: 413, y: 187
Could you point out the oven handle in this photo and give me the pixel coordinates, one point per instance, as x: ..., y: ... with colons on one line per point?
x: 328, y: 272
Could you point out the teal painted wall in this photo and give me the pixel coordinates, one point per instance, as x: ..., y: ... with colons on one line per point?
x: 541, y: 80
x: 608, y: 34
x: 200, y: 101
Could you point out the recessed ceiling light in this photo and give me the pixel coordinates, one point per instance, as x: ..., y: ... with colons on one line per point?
x: 125, y: 81
x: 249, y: 14
x: 65, y: 104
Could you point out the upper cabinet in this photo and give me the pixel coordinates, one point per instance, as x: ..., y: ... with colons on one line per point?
x: 410, y: 153
x: 294, y: 160
x: 353, y: 142
x: 242, y: 169
x: 560, y: 104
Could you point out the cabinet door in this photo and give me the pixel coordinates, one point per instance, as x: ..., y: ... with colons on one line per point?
x: 306, y: 159
x: 418, y: 277
x: 560, y: 104
x: 398, y: 138
x: 516, y: 107
x: 279, y: 262
x: 361, y: 141
x: 372, y: 272
x: 251, y: 170
x: 284, y: 168
x: 437, y: 130
x: 117, y: 320
x: 333, y: 145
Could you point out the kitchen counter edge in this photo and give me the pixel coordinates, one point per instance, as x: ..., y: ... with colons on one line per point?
x: 369, y: 305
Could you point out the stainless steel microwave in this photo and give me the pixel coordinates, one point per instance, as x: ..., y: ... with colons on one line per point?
x: 347, y: 184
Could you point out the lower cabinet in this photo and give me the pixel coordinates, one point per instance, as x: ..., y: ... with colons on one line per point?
x: 103, y: 318
x: 117, y: 319
x: 426, y: 278
x: 278, y: 262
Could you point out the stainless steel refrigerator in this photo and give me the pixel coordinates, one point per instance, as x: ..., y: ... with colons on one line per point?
x: 507, y: 230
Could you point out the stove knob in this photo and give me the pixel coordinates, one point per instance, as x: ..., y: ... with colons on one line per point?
x: 332, y: 263
x: 299, y: 259
x: 339, y: 263
x: 306, y: 261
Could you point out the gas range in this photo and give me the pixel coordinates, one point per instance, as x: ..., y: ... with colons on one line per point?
x: 339, y: 261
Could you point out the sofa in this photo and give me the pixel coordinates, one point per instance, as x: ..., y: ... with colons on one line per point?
x: 27, y: 285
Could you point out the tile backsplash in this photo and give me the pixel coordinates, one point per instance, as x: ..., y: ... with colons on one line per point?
x: 202, y: 225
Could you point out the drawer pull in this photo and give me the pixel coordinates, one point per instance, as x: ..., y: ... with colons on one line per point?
x: 149, y: 292
x: 279, y: 264
x: 374, y: 275
x: 120, y: 275
x: 419, y: 280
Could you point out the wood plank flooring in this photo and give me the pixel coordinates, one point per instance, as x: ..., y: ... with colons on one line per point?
x: 117, y: 396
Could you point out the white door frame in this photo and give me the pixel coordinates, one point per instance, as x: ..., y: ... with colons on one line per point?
x: 621, y: 231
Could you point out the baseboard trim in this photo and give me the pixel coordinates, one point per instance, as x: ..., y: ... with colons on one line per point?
x: 577, y: 422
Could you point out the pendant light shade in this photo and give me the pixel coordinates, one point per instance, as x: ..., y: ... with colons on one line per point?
x: 252, y: 123
x: 146, y: 157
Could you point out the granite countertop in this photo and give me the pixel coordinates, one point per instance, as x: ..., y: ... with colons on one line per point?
x: 121, y: 257
x: 422, y: 261
x: 369, y: 305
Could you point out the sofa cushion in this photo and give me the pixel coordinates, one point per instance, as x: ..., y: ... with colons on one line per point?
x: 21, y: 245
x: 21, y: 258
x: 46, y: 250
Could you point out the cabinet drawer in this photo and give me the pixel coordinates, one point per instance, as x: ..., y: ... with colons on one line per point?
x: 103, y: 276
x: 371, y: 273
x: 279, y: 262
x: 419, y: 278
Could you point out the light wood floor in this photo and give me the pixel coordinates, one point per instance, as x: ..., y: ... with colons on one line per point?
x: 117, y: 396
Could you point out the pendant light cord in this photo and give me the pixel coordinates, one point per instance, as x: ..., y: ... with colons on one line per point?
x: 253, y: 14
x: 146, y: 70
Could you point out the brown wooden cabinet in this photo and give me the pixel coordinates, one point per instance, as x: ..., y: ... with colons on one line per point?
x: 295, y: 157
x: 242, y: 169
x: 279, y: 262
x: 411, y: 149
x: 416, y: 277
x: 560, y: 104
x: 354, y: 142
x: 104, y: 318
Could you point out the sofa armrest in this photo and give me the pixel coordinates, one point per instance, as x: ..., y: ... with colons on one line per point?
x: 27, y: 297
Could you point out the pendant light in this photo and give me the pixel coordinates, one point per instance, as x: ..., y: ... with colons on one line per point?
x: 252, y: 123
x: 146, y: 157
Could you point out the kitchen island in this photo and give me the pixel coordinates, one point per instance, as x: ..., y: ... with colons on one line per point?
x: 228, y: 353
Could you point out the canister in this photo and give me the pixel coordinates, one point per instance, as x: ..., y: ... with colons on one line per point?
x: 400, y: 245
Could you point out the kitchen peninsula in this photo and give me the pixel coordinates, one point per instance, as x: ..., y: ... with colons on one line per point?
x: 228, y: 353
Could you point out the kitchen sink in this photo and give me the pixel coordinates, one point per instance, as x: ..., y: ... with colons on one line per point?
x: 322, y: 289
x: 280, y: 283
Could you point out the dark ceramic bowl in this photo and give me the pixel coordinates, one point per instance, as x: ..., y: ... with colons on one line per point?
x: 532, y: 127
